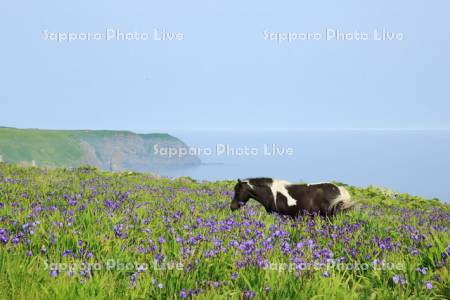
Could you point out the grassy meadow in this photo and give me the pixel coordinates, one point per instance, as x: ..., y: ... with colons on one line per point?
x: 82, y: 233
x: 64, y: 148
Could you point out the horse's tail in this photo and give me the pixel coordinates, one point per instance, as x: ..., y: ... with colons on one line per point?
x: 342, y: 202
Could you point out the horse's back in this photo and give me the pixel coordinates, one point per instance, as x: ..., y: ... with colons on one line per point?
x: 315, y: 197
x: 326, y: 189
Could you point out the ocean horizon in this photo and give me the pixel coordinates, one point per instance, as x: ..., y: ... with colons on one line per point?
x: 406, y: 161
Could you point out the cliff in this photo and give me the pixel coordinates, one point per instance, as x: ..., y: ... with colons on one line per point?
x: 107, y: 150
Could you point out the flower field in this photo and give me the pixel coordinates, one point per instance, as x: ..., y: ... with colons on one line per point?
x: 82, y: 233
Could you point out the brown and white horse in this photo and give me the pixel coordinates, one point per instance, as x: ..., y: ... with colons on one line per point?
x: 289, y: 199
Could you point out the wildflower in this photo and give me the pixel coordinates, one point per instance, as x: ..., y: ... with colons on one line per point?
x: 142, y: 268
x: 233, y: 243
x: 159, y: 257
x: 398, y: 279
x: 118, y: 230
x: 249, y: 294
x: 310, y: 243
x: 183, y: 294
x: 428, y: 285
x: 422, y: 270
x: 415, y: 252
x: 133, y: 279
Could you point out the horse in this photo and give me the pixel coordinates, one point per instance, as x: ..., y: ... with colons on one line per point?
x: 285, y: 198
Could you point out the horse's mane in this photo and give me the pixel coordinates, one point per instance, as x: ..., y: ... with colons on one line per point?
x: 260, y: 181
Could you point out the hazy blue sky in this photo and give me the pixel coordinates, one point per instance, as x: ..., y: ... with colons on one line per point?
x: 224, y: 74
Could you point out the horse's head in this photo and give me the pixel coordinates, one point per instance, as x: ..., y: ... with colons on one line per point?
x: 242, y: 192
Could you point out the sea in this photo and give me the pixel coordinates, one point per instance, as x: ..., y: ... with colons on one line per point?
x: 406, y: 161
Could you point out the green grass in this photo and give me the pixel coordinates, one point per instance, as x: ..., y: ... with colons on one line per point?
x: 71, y: 205
x: 51, y: 148
x: 55, y: 148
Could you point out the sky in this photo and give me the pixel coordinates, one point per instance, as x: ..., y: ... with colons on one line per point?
x: 224, y: 73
